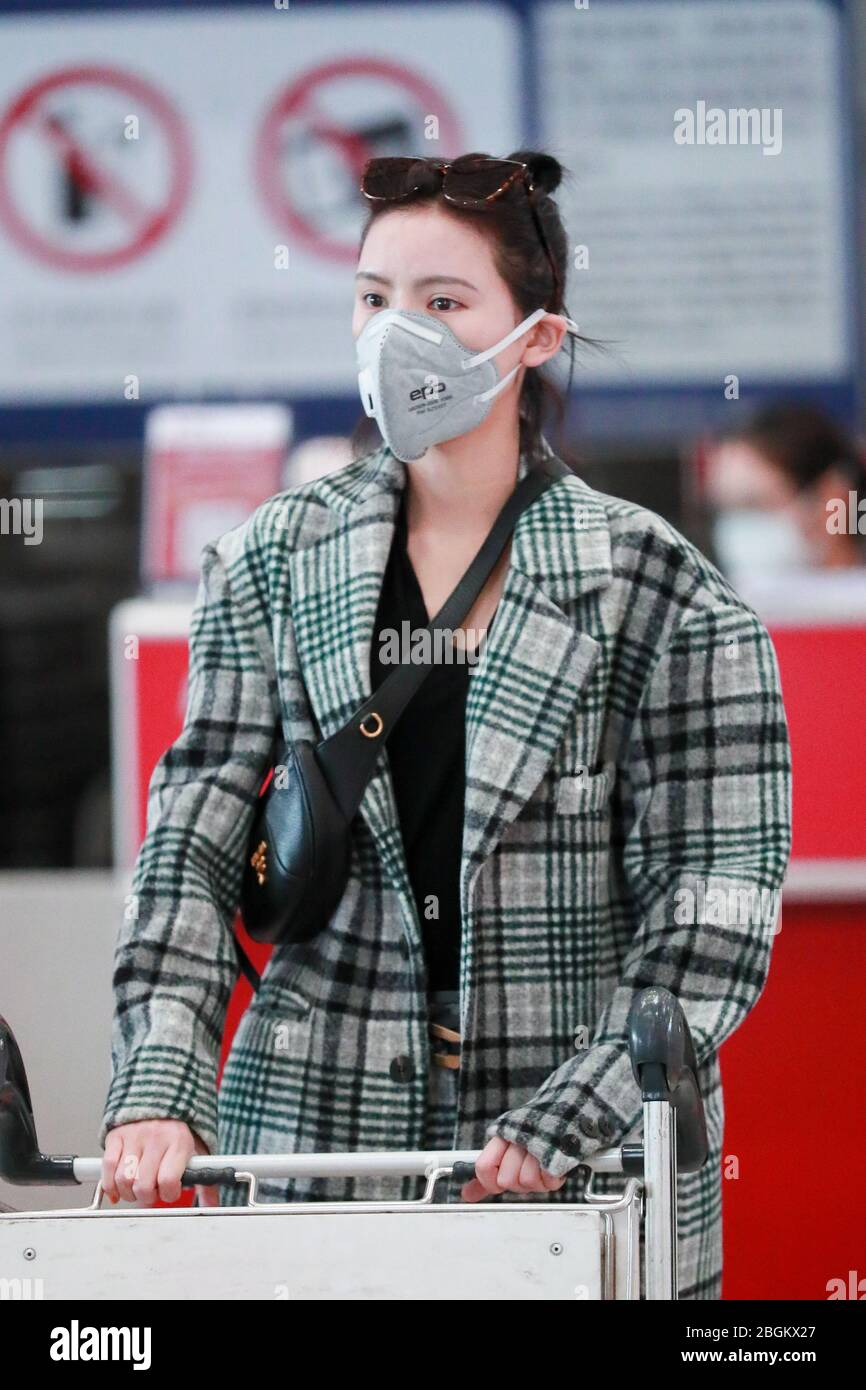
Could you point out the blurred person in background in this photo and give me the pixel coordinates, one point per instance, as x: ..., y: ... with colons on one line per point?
x: 788, y: 492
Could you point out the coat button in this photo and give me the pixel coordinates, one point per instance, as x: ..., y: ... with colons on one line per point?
x: 588, y: 1126
x: 402, y: 1068
x: 606, y: 1126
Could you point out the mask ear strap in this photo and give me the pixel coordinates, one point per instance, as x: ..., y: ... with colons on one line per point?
x: 521, y: 328
x: 477, y: 358
x: 494, y: 390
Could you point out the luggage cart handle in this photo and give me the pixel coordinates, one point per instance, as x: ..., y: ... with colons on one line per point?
x: 662, y: 1057
x: 463, y: 1172
x: 665, y: 1067
x: 209, y: 1177
x: 21, y: 1160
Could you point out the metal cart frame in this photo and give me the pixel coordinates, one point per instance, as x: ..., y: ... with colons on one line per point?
x: 368, y: 1249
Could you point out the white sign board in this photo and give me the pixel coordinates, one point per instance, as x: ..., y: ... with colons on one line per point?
x: 179, y: 202
x: 706, y: 210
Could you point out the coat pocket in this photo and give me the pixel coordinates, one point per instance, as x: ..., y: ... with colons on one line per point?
x: 584, y: 790
x: 281, y: 1000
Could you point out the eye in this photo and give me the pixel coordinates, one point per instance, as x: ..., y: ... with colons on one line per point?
x: 441, y: 302
x: 372, y: 294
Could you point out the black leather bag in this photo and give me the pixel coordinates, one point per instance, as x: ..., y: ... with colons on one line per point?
x: 297, y: 860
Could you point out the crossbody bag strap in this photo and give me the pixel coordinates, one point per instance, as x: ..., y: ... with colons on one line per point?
x: 348, y: 757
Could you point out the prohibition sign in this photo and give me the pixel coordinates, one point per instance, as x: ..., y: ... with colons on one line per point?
x: 299, y: 106
x: 33, y: 114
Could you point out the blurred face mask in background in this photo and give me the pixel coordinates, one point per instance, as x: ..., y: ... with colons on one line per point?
x: 748, y: 538
x: 421, y: 384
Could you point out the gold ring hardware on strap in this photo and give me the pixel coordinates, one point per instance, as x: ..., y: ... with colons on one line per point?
x: 440, y: 1031
x: 445, y: 1059
x: 259, y: 861
x: 374, y: 732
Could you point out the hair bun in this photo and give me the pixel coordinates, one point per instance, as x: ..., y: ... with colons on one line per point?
x: 545, y: 169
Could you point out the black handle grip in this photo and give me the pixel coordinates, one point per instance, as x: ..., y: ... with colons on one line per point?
x: 21, y: 1159
x: 663, y: 1060
x: 209, y: 1177
x: 463, y: 1172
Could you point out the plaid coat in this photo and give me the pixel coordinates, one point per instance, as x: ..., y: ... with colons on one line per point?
x: 627, y: 766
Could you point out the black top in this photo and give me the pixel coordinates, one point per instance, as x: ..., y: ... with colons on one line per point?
x: 426, y: 751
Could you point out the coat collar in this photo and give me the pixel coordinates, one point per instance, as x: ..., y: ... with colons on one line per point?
x: 531, y: 676
x: 579, y: 561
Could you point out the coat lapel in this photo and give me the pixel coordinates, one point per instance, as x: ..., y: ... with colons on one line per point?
x: 336, y: 582
x: 535, y: 665
x: 528, y: 682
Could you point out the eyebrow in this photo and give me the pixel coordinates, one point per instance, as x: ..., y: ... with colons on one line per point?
x: 417, y: 284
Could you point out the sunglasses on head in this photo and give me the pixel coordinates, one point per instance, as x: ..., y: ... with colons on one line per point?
x: 471, y: 181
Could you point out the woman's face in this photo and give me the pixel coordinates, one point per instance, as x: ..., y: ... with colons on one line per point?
x: 739, y: 476
x: 426, y: 259
x: 763, y: 521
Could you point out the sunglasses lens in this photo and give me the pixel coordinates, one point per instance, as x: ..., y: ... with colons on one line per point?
x: 389, y: 177
x: 472, y: 181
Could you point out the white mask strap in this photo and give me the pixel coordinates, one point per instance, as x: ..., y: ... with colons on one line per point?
x: 572, y: 327
x: 524, y: 327
x: 494, y: 390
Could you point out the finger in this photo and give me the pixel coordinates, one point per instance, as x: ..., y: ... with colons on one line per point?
x: 127, y: 1168
x: 199, y: 1144
x: 509, y: 1168
x: 534, y: 1178
x: 171, y: 1170
x: 487, y: 1164
x: 110, y: 1158
x: 144, y: 1185
x: 551, y: 1183
x: 530, y: 1174
x: 473, y: 1191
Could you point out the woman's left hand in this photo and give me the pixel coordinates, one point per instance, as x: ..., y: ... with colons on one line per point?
x: 505, y: 1167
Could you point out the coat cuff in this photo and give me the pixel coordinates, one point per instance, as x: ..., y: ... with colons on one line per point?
x: 589, y: 1103
x: 160, y: 1082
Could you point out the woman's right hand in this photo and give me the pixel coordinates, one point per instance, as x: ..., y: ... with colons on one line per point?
x: 145, y: 1160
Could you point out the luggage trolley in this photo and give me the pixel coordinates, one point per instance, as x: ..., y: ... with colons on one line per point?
x: 378, y: 1250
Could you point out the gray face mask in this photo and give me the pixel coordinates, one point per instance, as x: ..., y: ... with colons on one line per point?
x: 421, y: 384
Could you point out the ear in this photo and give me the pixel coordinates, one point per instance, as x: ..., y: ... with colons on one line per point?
x: 544, y: 340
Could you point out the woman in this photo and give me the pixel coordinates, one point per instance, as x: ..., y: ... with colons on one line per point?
x: 625, y: 753
x: 789, y: 492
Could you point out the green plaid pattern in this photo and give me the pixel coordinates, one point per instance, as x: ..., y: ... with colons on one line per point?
x: 626, y: 740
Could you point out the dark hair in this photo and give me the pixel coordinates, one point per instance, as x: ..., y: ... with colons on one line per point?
x: 524, y: 266
x: 803, y: 442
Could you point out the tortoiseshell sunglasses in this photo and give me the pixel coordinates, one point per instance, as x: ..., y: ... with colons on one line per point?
x: 471, y: 181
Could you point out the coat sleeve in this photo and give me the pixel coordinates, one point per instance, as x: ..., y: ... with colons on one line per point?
x: 175, y: 963
x: 704, y: 851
